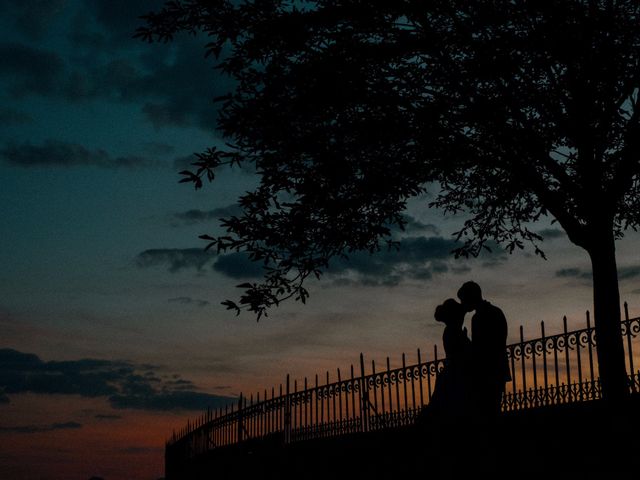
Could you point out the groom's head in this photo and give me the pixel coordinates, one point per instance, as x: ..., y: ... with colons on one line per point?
x: 470, y: 295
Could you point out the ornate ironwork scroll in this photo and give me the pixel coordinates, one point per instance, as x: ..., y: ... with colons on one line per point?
x: 549, y: 370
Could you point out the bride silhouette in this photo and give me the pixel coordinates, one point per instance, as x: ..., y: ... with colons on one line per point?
x: 452, y: 393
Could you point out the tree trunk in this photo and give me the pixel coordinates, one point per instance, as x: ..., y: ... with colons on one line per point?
x: 606, y: 302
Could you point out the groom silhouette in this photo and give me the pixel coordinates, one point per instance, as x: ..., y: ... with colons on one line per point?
x: 490, y: 368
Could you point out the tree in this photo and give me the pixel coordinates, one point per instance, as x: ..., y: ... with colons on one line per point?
x: 509, y: 110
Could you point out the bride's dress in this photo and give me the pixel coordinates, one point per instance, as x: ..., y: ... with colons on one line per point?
x: 452, y: 391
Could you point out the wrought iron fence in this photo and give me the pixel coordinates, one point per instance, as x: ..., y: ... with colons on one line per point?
x: 548, y: 370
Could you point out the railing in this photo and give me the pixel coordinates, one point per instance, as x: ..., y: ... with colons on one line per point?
x: 548, y: 370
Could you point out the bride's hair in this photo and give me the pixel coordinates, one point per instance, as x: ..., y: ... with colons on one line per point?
x: 449, y: 309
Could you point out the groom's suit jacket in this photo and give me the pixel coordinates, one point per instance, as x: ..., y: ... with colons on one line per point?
x: 489, y: 343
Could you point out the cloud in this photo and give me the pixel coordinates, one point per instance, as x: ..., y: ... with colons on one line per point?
x: 234, y: 265
x: 460, y: 269
x: 189, y: 301
x: 181, y: 384
x: 413, y: 251
x: 10, y: 116
x: 624, y: 273
x: 238, y: 266
x: 180, y: 91
x: 628, y: 272
x: 174, y: 87
x: 573, y: 273
x: 159, y: 148
x: 111, y: 22
x: 32, y: 18
x: 195, y: 216
x: 551, y: 233
x: 176, y: 259
x: 171, y: 84
x: 170, y: 401
x: 419, y: 258
x: 123, y: 384
x: 53, y: 153
x: 414, y: 225
x: 184, y: 162
x: 29, y: 70
x: 42, y: 428
x: 104, y: 416
x: 17, y: 360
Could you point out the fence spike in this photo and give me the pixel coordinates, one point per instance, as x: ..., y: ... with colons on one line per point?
x: 364, y: 405
x: 287, y: 414
x: 220, y: 430
x: 435, y: 358
x: 420, y: 379
x: 404, y: 380
x: 629, y: 343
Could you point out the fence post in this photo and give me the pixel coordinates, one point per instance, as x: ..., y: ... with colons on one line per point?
x: 364, y: 397
x: 544, y: 362
x: 327, y: 395
x: 419, y: 380
x: 317, y: 417
x: 629, y: 345
x: 590, y: 350
x: 353, y: 397
x: 404, y: 382
x: 339, y: 396
x: 523, y: 366
x: 239, y: 416
x: 566, y: 357
x: 375, y: 391
x: 307, y: 405
x: 287, y: 414
x: 280, y: 411
x: 294, y: 407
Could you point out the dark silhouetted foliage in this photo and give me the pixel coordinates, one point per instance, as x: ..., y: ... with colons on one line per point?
x: 508, y: 110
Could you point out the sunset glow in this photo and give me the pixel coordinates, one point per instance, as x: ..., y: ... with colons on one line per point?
x: 112, y: 330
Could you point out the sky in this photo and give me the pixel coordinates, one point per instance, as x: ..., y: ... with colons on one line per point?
x: 112, y: 331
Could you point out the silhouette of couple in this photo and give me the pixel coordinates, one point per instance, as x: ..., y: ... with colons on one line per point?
x: 473, y: 380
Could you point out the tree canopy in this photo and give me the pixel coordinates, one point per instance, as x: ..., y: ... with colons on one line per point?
x: 508, y: 110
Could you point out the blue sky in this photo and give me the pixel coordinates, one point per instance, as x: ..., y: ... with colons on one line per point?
x: 101, y: 262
